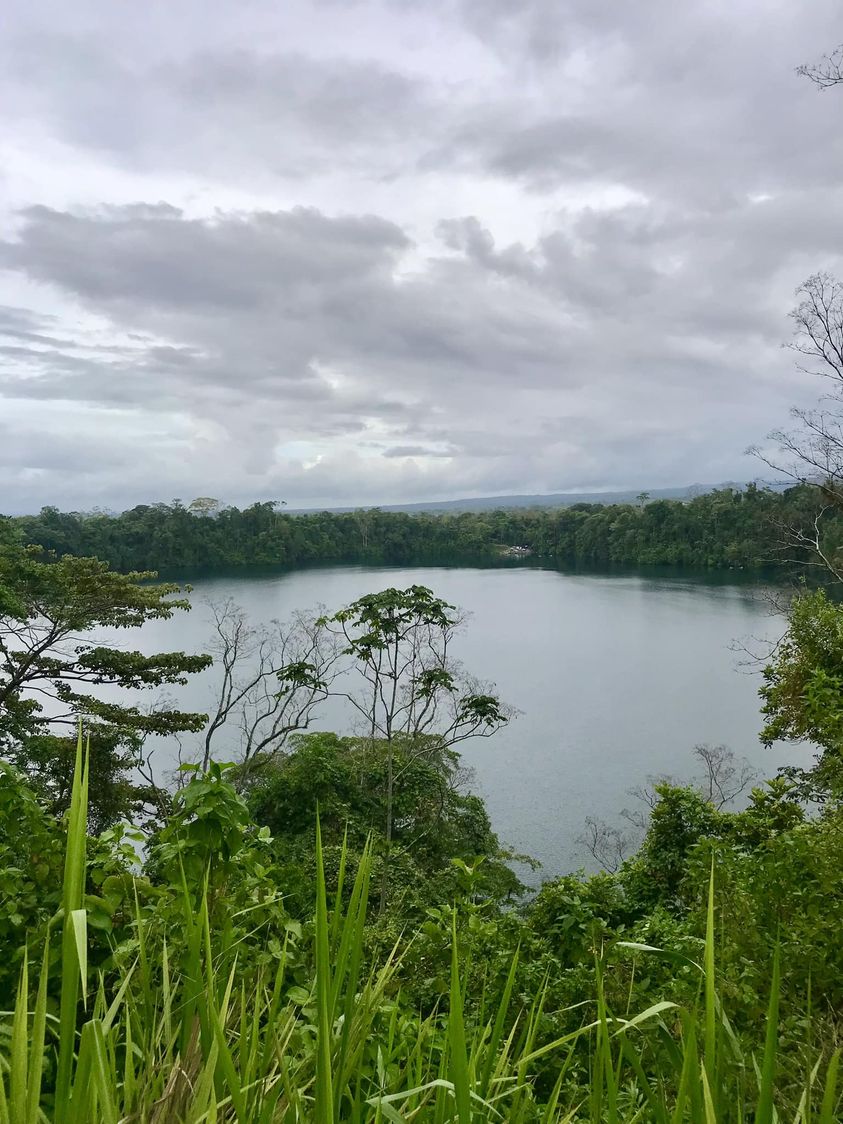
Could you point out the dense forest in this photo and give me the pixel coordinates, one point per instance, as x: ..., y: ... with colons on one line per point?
x: 750, y: 528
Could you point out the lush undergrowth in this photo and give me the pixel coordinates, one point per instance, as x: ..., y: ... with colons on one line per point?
x: 700, y: 984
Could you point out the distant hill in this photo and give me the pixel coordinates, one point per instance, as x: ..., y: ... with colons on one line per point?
x: 555, y: 499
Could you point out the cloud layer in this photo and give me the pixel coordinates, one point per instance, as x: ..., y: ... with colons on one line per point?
x: 370, y: 252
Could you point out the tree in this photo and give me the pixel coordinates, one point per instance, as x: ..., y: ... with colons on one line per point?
x: 813, y: 453
x: 121, y: 781
x: 273, y: 677
x: 400, y: 641
x: 816, y: 452
x: 804, y: 677
x: 55, y: 670
x: 803, y: 683
x: 342, y: 779
x: 805, y: 673
x: 204, y: 506
x: 724, y: 778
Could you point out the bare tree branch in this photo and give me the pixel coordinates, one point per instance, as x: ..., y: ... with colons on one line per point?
x: 608, y: 846
x: 813, y: 452
x: 273, y: 678
x: 725, y: 777
x: 827, y: 72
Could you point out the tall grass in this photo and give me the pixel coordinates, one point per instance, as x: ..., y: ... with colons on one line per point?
x: 210, y: 1041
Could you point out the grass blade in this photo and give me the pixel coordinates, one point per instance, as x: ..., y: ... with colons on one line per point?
x: 456, y: 1036
x: 73, y: 898
x: 764, y: 1111
x: 324, y: 1085
x: 827, y: 1109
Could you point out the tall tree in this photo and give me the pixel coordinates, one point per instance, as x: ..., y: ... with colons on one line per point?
x: 415, y: 694
x: 804, y: 677
x: 55, y: 669
x: 813, y: 452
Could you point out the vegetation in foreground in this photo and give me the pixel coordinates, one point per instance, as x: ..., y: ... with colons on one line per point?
x: 329, y: 929
x: 700, y: 984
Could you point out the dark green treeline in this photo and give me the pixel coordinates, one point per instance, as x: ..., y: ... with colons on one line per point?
x: 728, y: 527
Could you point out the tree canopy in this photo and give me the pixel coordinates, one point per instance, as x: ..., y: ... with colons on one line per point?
x: 61, y: 664
x: 729, y: 527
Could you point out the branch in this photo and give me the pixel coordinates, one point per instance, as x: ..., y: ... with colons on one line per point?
x: 827, y: 72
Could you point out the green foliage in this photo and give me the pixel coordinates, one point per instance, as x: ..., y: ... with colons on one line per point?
x: 230, y: 970
x: 52, y: 667
x: 206, y: 831
x: 576, y: 915
x: 344, y: 780
x: 679, y: 821
x: 49, y: 761
x: 803, y: 683
x: 32, y: 850
x: 400, y: 640
x: 772, y: 811
x: 31, y: 859
x: 726, y: 528
x: 216, y: 1007
x: 780, y: 888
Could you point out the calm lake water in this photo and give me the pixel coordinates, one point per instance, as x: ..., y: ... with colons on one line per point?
x: 616, y: 676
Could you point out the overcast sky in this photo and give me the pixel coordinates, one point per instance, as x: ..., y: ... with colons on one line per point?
x: 339, y: 252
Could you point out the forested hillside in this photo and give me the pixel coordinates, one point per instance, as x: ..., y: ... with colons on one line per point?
x: 750, y: 528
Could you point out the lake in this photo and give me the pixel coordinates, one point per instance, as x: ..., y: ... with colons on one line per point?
x: 616, y: 677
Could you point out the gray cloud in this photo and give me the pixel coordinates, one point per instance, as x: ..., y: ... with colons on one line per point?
x: 229, y: 113
x: 417, y: 451
x: 383, y: 251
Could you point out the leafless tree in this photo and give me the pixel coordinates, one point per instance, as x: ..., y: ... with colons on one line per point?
x: 723, y: 780
x: 608, y: 845
x: 272, y: 677
x: 827, y: 72
x: 812, y: 452
x: 647, y: 798
x: 806, y: 545
x: 725, y: 777
x: 157, y: 797
x: 818, y: 330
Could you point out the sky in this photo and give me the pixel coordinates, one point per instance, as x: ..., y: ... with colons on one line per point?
x: 339, y: 252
